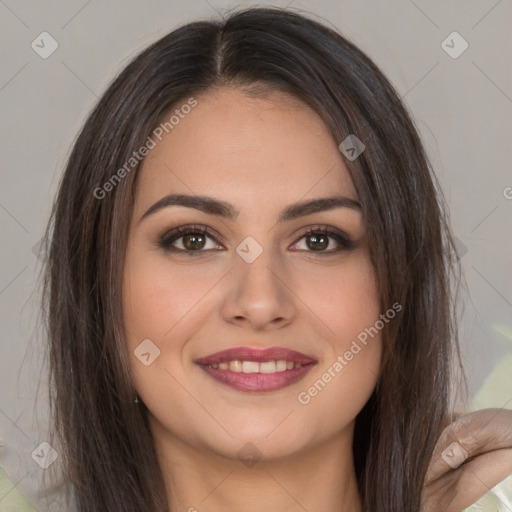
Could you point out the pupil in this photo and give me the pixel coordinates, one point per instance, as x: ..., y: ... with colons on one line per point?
x: 196, y: 241
x: 318, y: 242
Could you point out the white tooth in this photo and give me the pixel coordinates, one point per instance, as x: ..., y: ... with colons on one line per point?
x: 250, y: 366
x: 281, y: 365
x: 289, y: 365
x: 224, y: 365
x: 268, y: 367
x: 214, y: 365
x: 298, y: 365
x: 235, y: 366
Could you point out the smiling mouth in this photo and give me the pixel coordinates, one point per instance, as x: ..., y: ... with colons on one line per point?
x: 252, y: 370
x: 274, y: 366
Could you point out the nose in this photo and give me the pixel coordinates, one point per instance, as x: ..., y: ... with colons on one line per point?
x: 260, y: 294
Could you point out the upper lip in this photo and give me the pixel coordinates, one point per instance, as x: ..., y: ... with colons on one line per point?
x: 254, y: 354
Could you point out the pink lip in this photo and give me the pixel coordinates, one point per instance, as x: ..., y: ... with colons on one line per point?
x: 257, y: 382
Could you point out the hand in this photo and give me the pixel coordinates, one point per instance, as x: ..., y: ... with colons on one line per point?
x: 472, y: 455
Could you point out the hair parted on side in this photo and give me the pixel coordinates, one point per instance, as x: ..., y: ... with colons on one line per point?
x: 106, y: 445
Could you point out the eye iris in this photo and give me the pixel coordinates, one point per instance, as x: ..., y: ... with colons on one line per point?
x: 194, y: 241
x: 317, y: 241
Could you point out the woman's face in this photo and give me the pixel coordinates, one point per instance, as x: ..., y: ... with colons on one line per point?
x: 254, y: 281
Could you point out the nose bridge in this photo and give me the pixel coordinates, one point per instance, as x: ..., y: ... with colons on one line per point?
x: 257, y: 265
x: 259, y: 293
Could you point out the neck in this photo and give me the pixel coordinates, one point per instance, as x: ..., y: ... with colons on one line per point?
x: 321, y: 478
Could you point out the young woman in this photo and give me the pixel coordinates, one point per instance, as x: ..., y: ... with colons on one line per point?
x: 248, y: 287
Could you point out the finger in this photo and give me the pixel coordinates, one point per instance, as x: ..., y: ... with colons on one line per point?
x: 471, y: 436
x: 480, y: 475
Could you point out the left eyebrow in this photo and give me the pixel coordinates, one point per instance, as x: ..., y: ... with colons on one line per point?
x: 214, y: 206
x: 301, y: 209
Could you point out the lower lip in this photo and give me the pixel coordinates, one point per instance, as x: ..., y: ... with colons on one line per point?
x: 258, y: 382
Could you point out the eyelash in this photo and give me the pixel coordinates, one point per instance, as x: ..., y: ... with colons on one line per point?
x: 165, y: 241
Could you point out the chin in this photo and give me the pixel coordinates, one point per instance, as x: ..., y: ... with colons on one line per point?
x: 254, y: 450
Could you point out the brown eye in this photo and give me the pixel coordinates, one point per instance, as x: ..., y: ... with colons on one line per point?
x: 324, y: 240
x: 194, y: 241
x: 317, y: 242
x: 189, y: 240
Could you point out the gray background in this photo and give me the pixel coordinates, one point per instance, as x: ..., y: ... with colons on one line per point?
x: 462, y: 107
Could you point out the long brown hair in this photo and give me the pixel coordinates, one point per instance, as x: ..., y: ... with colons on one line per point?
x: 106, y: 445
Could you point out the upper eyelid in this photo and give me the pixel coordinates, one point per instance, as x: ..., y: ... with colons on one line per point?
x: 206, y: 230
x: 180, y: 231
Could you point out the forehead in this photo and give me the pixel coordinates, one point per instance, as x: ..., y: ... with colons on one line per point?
x: 270, y: 150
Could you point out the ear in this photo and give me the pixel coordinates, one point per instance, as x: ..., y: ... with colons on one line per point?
x: 472, y: 455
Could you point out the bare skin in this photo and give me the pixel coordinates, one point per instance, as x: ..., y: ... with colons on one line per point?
x: 261, y: 155
x: 224, y: 449
x: 460, y: 474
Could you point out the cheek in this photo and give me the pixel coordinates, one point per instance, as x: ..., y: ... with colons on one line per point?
x: 158, y: 296
x: 165, y: 304
x: 344, y: 298
x: 333, y: 399
x: 158, y: 305
x: 348, y: 306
